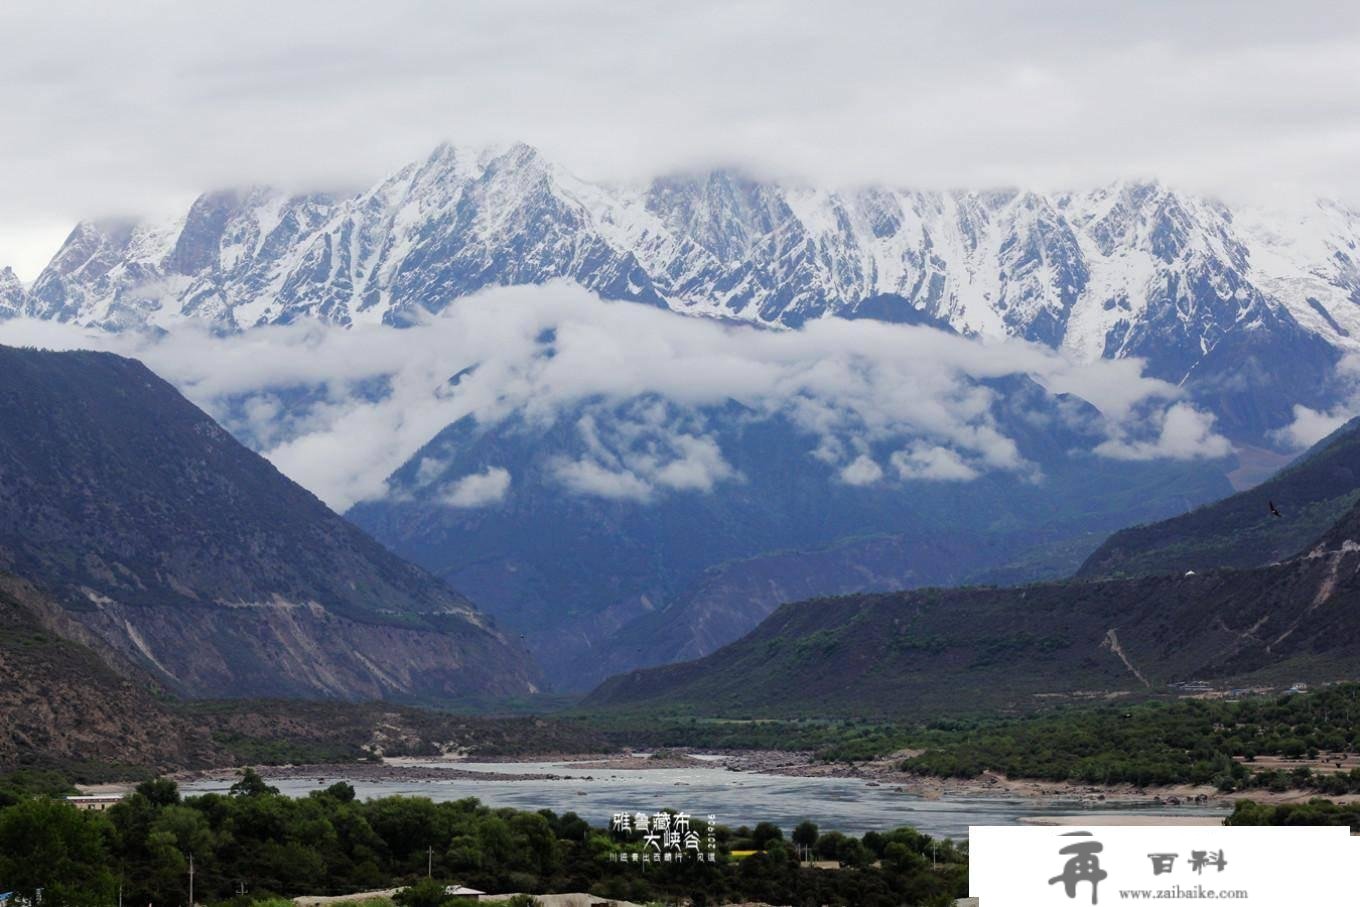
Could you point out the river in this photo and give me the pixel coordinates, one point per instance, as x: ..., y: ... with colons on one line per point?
x: 848, y: 805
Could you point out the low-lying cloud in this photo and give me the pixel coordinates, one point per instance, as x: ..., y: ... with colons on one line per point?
x: 339, y: 410
x: 1185, y: 434
x: 478, y: 489
x: 1310, y: 426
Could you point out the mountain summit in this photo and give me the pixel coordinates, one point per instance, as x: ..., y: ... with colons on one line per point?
x: 1210, y: 296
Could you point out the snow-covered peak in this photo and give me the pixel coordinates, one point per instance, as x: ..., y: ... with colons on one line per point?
x: 12, y: 293
x: 1134, y: 268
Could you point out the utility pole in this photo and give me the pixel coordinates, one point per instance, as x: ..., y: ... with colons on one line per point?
x: 429, y: 862
x: 191, y: 880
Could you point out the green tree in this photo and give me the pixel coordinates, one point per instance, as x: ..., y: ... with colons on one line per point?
x: 765, y: 834
x: 160, y: 791
x: 251, y: 785
x: 52, y: 845
x: 28, y: 782
x: 425, y: 893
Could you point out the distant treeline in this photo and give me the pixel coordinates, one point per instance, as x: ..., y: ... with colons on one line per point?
x: 1180, y: 741
x: 1314, y: 812
x: 1197, y: 741
x: 254, y: 845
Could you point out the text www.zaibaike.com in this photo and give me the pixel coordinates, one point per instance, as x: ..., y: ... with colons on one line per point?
x: 1177, y: 892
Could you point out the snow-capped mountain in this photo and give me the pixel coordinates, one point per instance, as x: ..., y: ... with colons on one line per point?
x: 1205, y: 293
x: 11, y: 293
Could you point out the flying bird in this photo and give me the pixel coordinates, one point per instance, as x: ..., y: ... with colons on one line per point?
x: 1273, y: 511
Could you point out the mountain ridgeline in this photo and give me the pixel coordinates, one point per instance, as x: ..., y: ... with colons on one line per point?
x: 1248, y: 309
x: 193, y: 558
x: 1310, y: 495
x: 983, y: 650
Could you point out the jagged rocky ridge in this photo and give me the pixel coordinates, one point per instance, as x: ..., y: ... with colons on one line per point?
x: 1210, y: 295
x: 193, y: 558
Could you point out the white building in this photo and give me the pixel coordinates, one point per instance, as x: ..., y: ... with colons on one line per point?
x: 98, y: 802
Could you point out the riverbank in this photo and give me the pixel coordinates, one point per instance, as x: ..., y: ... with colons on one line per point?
x: 881, y: 773
x: 395, y: 770
x: 1120, y: 820
x: 886, y: 772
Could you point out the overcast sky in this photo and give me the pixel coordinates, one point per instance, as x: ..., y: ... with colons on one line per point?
x: 135, y: 106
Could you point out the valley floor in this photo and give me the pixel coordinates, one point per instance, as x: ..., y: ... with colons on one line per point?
x: 884, y: 772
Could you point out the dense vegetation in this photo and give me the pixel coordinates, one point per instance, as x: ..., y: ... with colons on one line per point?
x: 1164, y: 741
x: 832, y: 740
x: 253, y: 845
x: 1187, y: 741
x: 1314, y: 812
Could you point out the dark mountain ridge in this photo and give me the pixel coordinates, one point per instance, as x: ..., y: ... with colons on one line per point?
x: 1311, y: 494
x: 195, y: 559
x: 979, y: 650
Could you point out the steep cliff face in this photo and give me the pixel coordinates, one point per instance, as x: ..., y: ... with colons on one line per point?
x: 12, y: 293
x: 197, y: 560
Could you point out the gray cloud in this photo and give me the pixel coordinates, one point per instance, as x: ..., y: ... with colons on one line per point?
x: 340, y: 409
x: 138, y: 105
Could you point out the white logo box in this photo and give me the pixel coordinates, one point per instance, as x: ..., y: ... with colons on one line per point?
x: 1265, y: 866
